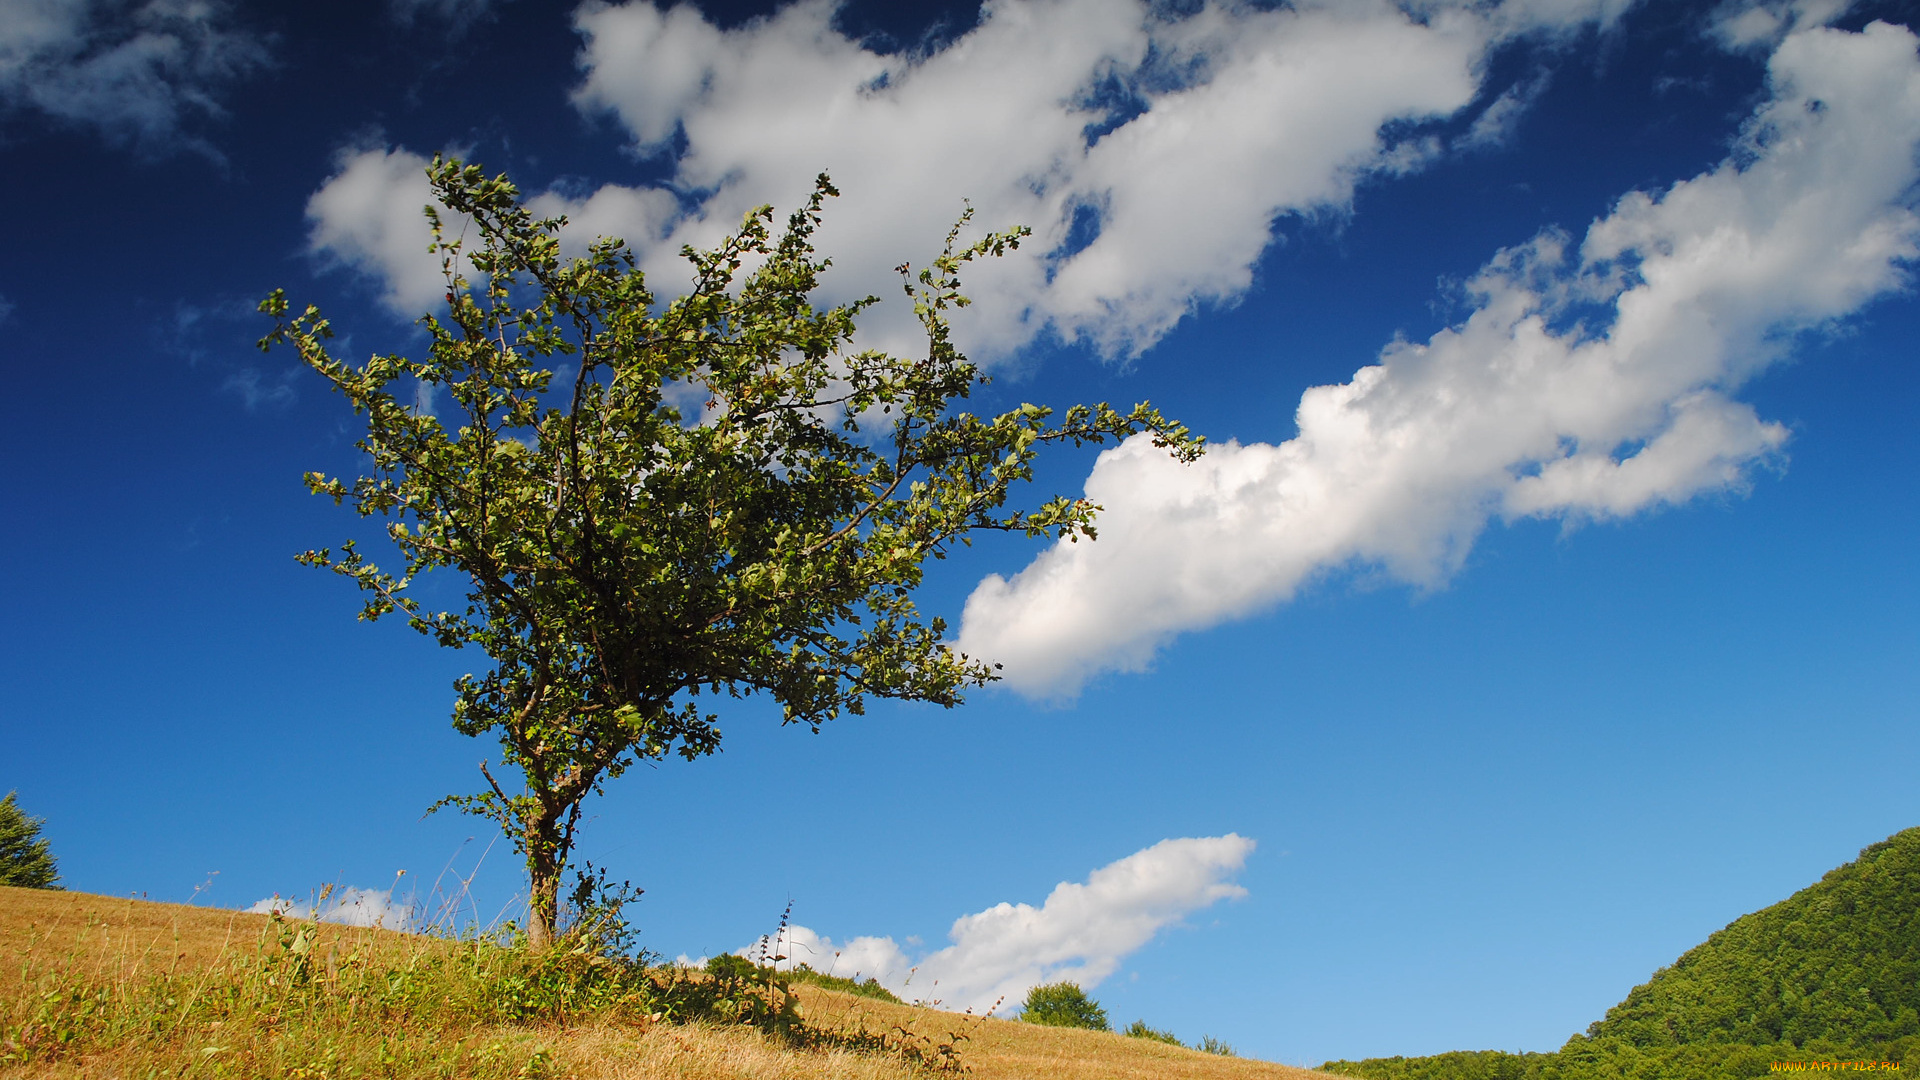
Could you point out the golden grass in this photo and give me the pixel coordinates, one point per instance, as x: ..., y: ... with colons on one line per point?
x: 1010, y: 1050
x: 112, y: 939
x: 77, y: 939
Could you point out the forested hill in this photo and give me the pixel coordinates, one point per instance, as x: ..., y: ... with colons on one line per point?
x: 1838, y: 960
x: 1831, y: 973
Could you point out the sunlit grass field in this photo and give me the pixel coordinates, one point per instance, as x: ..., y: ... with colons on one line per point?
x: 93, y: 986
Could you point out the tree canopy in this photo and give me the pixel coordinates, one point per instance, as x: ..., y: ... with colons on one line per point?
x: 1063, y: 1004
x: 661, y: 506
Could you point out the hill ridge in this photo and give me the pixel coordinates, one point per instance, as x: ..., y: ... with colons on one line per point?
x: 1829, y: 974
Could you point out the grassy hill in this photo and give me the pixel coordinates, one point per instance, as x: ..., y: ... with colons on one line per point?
x: 1832, y: 973
x: 96, y: 986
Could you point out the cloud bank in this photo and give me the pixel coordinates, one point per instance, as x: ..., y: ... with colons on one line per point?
x: 1081, y: 932
x: 136, y: 73
x: 1151, y: 151
x: 349, y: 907
x: 1590, y: 382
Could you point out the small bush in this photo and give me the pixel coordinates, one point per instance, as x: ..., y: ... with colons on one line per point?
x: 868, y: 987
x: 731, y: 965
x: 1139, y: 1030
x: 1214, y: 1046
x: 1064, y: 1004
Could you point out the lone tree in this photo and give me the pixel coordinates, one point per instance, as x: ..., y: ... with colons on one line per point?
x: 25, y: 861
x: 719, y: 498
x: 1064, y: 1004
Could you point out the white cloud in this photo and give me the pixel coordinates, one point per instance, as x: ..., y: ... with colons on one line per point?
x: 640, y: 216
x: 1151, y: 152
x: 1497, y: 122
x: 137, y: 73
x: 348, y: 907
x: 370, y: 216
x: 1519, y: 411
x: 1209, y: 127
x: 1081, y: 932
x: 860, y: 958
x: 1745, y: 24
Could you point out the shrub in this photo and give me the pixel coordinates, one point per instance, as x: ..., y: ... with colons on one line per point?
x: 1214, y: 1046
x: 24, y: 859
x: 1139, y: 1030
x: 1064, y: 1004
x: 867, y: 987
x: 732, y: 965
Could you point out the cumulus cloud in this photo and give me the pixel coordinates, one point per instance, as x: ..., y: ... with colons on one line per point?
x: 1151, y: 151
x: 348, y: 907
x: 1588, y: 383
x: 1747, y: 24
x: 370, y: 216
x: 137, y: 73
x: 1081, y: 932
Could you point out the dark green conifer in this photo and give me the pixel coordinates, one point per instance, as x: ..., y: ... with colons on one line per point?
x: 24, y: 858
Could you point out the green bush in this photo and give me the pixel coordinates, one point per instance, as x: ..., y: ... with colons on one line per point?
x: 730, y: 965
x: 24, y: 859
x: 1139, y: 1030
x: 1064, y: 1004
x: 1455, y: 1065
x: 867, y: 987
x: 1214, y: 1046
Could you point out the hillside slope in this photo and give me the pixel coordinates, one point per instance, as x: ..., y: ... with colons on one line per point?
x: 1832, y: 973
x: 1839, y: 960
x: 64, y: 941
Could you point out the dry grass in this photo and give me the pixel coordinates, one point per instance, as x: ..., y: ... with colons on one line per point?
x: 73, y: 940
x: 110, y: 939
x: 1010, y: 1050
x: 700, y: 1052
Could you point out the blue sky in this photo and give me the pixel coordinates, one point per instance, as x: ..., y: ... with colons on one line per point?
x: 1548, y: 602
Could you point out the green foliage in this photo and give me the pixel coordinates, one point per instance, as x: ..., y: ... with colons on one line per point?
x: 1139, y: 1030
x: 1212, y: 1045
x: 867, y: 987
x: 630, y: 563
x: 25, y: 861
x: 1839, y: 960
x: 1610, y: 1059
x: 729, y: 965
x: 734, y: 966
x: 1832, y: 973
x: 1063, y: 1004
x: 1457, y: 1065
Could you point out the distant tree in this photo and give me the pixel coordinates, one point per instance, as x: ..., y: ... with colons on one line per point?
x: 1063, y: 1004
x: 719, y: 497
x: 1139, y: 1030
x: 25, y: 861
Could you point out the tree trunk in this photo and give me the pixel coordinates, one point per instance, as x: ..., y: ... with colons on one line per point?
x: 545, y: 863
x: 543, y: 904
